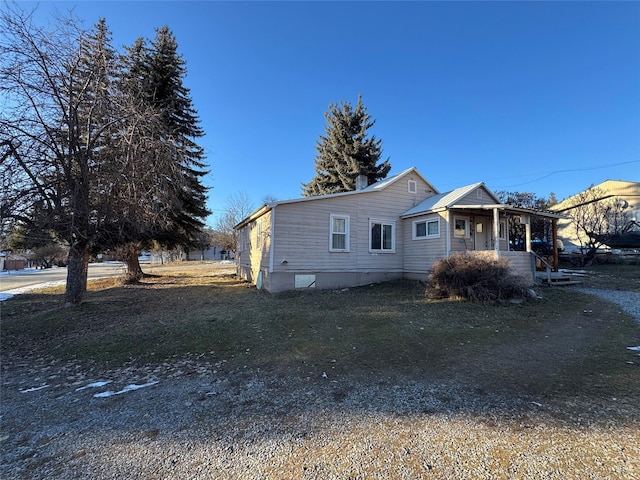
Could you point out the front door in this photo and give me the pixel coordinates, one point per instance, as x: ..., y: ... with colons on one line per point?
x: 482, y: 234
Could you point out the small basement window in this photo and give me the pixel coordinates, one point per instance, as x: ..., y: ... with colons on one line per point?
x: 305, y: 281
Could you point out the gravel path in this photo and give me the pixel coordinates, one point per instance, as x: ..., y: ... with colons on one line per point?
x: 202, y: 422
x: 629, y: 301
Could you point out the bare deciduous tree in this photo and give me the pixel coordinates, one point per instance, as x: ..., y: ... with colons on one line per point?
x: 596, y: 217
x: 237, y: 207
x: 55, y: 89
x: 85, y: 155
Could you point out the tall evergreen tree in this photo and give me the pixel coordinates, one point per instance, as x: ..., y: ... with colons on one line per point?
x: 165, y: 91
x: 163, y: 162
x: 345, y: 151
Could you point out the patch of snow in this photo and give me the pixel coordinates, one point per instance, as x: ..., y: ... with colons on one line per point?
x: 94, y: 385
x: 33, y: 389
x: 126, y: 389
x: 17, y: 291
x: 635, y: 349
x: 21, y: 272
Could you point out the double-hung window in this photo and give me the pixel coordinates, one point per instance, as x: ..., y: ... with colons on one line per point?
x: 339, y: 233
x: 382, y: 236
x: 428, y: 228
x: 461, y: 227
x: 502, y: 231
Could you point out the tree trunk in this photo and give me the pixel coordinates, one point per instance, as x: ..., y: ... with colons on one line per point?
x: 134, y: 270
x: 589, y: 257
x: 77, y: 269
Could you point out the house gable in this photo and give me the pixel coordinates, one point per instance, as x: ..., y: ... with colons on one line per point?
x: 474, y: 194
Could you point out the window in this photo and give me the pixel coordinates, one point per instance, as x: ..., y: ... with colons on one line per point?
x: 413, y: 186
x: 480, y: 193
x: 243, y: 239
x: 382, y: 236
x: 429, y: 228
x: 502, y: 234
x: 339, y: 233
x: 461, y: 227
x: 260, y: 232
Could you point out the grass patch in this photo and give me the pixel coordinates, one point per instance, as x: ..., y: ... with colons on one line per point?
x: 613, y: 277
x: 565, y: 344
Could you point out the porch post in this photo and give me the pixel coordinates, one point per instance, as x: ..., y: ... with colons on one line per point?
x: 448, y: 234
x: 496, y: 231
x: 527, y: 229
x: 554, y: 235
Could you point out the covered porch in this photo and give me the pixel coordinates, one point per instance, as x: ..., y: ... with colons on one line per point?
x: 484, y: 230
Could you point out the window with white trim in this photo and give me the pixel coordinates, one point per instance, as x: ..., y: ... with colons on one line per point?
x: 502, y: 230
x: 339, y: 233
x: 243, y: 240
x: 461, y: 227
x: 427, y: 228
x: 382, y: 236
x: 412, y: 186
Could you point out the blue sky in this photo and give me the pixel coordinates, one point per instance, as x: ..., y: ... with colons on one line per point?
x: 526, y: 96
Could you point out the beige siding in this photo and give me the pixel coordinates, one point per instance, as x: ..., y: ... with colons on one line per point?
x: 420, y: 254
x: 476, y: 198
x: 254, y: 247
x: 302, y: 230
x: 520, y: 264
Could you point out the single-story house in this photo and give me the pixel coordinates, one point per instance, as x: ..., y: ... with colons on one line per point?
x: 392, y: 229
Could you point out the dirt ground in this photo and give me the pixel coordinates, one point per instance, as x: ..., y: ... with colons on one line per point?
x: 214, y: 418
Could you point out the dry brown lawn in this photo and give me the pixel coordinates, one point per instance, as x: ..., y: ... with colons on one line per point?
x: 370, y: 382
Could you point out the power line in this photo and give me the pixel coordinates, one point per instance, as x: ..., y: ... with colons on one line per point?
x: 567, y: 171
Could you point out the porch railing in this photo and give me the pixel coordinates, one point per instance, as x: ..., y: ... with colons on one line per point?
x: 548, y: 268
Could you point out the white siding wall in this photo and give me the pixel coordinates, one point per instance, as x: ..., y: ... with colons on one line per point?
x: 420, y: 254
x: 302, y: 230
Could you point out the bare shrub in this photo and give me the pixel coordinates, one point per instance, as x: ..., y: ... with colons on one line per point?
x: 475, y: 278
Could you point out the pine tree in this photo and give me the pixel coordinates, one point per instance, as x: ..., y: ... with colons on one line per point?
x: 164, y: 90
x: 345, y: 151
x: 159, y: 154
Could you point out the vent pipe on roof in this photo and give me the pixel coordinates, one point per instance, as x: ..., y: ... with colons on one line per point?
x: 362, y: 181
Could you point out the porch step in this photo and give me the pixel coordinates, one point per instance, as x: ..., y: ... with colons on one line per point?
x: 557, y: 279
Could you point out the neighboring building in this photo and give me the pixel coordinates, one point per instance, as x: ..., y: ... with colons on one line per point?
x: 12, y: 261
x: 213, y: 253
x: 624, y: 192
x: 396, y: 228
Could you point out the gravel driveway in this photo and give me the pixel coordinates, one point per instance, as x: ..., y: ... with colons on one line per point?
x: 200, y: 422
x: 629, y: 301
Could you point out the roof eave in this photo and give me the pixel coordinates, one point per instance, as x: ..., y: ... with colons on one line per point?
x: 500, y: 206
x: 256, y: 214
